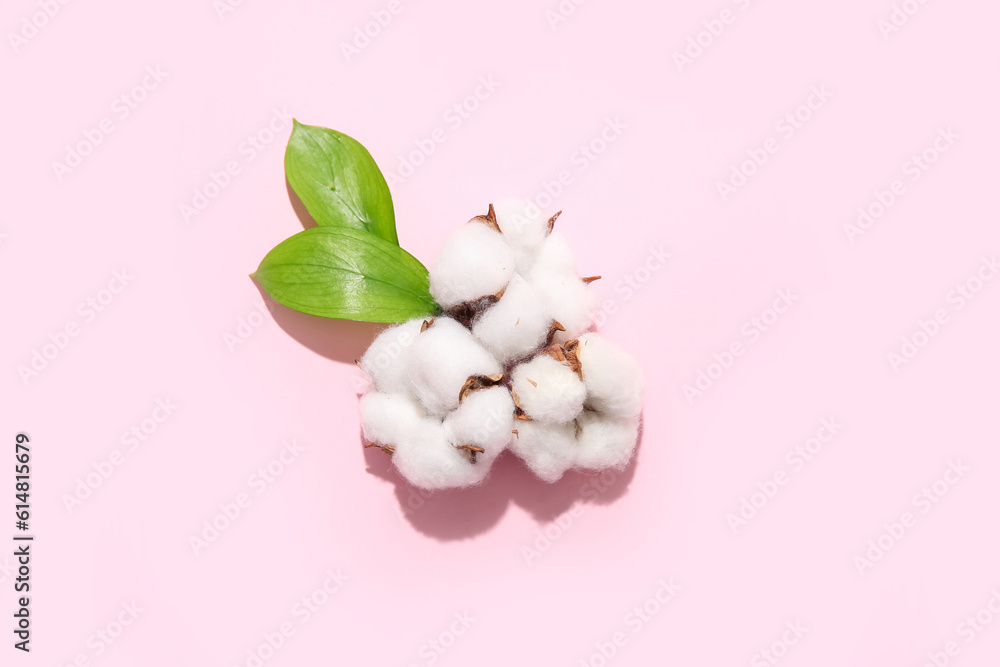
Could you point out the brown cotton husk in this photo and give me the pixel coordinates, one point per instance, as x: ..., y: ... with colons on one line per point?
x: 386, y: 449
x: 519, y: 412
x: 472, y: 450
x: 556, y: 327
x: 465, y: 313
x: 477, y: 382
x: 566, y: 353
x: 552, y: 222
x: 490, y: 219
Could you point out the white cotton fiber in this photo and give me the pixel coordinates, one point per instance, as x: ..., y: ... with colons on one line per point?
x: 441, y: 359
x: 387, y: 418
x: 570, y: 301
x: 555, y: 255
x: 613, y: 378
x: 384, y: 362
x: 428, y: 460
x: 549, y: 450
x: 474, y: 262
x: 484, y: 419
x: 548, y: 390
x: 523, y: 226
x: 605, y: 442
x: 515, y: 325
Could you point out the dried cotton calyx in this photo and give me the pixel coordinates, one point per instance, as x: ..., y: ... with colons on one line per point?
x: 508, y: 363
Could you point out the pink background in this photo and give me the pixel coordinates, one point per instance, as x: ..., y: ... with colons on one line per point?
x: 547, y: 574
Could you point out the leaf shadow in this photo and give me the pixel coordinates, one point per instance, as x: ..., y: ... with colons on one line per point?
x: 339, y: 340
x: 300, y: 209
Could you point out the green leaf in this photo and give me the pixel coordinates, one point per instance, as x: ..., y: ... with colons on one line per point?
x: 346, y: 274
x: 338, y: 181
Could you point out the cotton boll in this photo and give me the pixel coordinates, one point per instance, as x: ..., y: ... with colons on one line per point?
x: 548, y: 390
x: 516, y: 325
x: 548, y: 450
x: 474, y: 262
x: 605, y: 442
x: 484, y: 419
x: 442, y: 358
x: 555, y: 255
x: 387, y: 418
x: 428, y: 460
x: 384, y: 362
x: 613, y: 378
x: 568, y: 299
x: 524, y: 228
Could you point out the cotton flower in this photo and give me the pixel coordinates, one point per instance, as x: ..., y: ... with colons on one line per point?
x: 523, y: 227
x: 516, y: 325
x: 567, y: 298
x: 442, y: 359
x: 605, y: 442
x: 548, y: 450
x: 548, y: 390
x: 476, y: 261
x: 384, y: 362
x: 510, y: 363
x: 613, y: 378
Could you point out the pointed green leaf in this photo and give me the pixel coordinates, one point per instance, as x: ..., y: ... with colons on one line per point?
x: 338, y: 181
x: 347, y: 274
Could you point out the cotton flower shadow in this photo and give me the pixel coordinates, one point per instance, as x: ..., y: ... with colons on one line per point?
x: 454, y: 514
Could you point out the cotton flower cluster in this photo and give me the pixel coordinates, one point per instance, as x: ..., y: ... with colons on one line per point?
x: 509, y: 363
